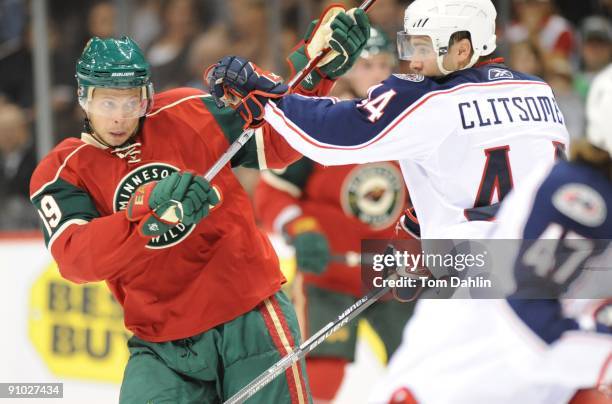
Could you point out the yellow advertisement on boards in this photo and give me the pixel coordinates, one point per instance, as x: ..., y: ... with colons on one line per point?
x: 77, y: 330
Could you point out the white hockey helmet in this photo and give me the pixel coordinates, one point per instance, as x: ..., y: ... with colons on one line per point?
x: 440, y: 19
x: 598, y: 109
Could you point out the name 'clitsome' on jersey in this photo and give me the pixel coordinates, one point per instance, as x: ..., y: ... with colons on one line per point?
x: 463, y: 141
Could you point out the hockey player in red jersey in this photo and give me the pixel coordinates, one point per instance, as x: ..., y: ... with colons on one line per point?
x: 123, y: 204
x: 325, y: 212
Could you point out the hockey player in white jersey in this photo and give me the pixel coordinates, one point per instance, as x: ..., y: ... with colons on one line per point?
x: 564, y: 215
x: 464, y: 127
x: 466, y: 130
x: 545, y: 350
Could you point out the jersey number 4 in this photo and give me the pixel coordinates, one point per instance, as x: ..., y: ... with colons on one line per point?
x: 376, y: 106
x: 497, y: 178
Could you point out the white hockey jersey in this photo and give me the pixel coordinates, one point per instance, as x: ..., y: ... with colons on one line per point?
x: 463, y: 141
x: 536, y: 351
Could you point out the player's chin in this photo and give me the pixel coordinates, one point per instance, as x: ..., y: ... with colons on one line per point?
x: 116, y: 138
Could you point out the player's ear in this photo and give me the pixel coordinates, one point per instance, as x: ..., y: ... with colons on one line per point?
x: 463, y: 52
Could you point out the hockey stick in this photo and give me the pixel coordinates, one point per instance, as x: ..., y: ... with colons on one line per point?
x: 292, y: 84
x: 311, y: 343
x: 352, y: 258
x: 174, y: 214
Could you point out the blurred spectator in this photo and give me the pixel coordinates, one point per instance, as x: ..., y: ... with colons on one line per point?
x: 558, y: 75
x: 102, y: 20
x: 290, y: 39
x: 12, y: 21
x: 67, y: 116
x: 596, y: 51
x: 17, y: 162
x: 16, y: 72
x: 147, y: 23
x: 206, y: 49
x: 575, y: 11
x: 538, y: 23
x: 249, y: 31
x: 389, y: 16
x: 375, y: 64
x: 168, y: 53
x: 526, y: 58
x: 605, y: 8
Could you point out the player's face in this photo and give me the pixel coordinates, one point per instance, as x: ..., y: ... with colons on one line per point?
x: 419, y: 51
x: 423, y: 59
x: 371, y: 71
x: 114, y: 113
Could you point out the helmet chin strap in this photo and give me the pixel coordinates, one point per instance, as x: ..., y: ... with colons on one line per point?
x: 440, y: 62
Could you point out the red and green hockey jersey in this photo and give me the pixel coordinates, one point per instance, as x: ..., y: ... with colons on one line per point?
x: 351, y: 203
x: 191, y: 278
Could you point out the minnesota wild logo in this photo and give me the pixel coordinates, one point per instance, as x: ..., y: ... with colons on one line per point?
x: 374, y: 193
x: 142, y: 175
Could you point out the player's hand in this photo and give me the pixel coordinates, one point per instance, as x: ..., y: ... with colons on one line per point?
x: 179, y: 198
x: 236, y: 82
x: 346, y: 33
x: 409, y: 224
x: 311, y: 247
x: 350, y: 33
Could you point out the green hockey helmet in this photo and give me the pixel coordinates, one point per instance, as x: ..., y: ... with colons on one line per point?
x: 378, y: 42
x: 114, y: 64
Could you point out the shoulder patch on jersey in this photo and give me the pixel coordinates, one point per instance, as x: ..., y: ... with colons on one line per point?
x: 417, y: 78
x: 498, y: 74
x: 581, y: 203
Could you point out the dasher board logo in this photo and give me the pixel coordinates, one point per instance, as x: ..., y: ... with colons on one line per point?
x: 374, y: 193
x: 143, y: 175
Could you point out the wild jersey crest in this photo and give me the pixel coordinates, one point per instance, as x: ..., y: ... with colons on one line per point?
x: 143, y: 175
x: 374, y: 194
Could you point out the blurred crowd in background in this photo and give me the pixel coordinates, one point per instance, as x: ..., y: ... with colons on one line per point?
x: 566, y: 42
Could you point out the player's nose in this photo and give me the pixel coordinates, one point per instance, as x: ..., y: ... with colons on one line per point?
x: 416, y: 65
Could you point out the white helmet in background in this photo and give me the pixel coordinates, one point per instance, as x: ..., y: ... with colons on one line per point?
x: 598, y: 111
x: 440, y: 19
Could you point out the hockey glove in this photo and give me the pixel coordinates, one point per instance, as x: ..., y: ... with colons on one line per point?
x: 409, y: 223
x: 236, y: 82
x: 178, y: 198
x: 311, y: 247
x: 345, y: 33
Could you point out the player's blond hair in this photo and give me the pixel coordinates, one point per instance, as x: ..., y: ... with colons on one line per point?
x: 582, y: 151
